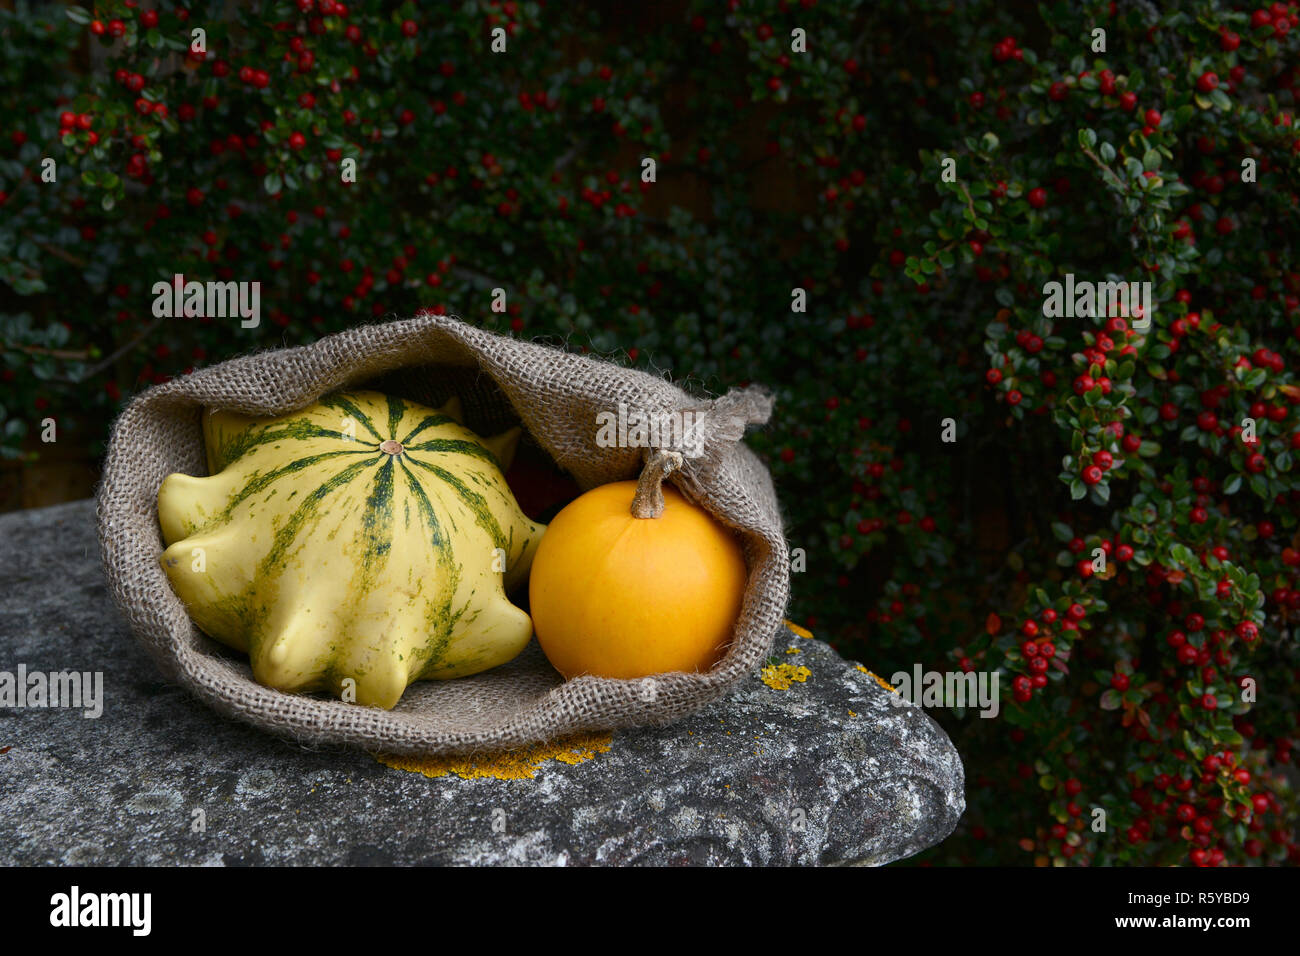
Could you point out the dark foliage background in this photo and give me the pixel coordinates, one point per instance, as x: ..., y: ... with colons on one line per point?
x: 776, y: 170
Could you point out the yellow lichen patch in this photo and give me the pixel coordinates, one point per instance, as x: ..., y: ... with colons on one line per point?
x: 853, y: 713
x: 781, y: 676
x: 878, y: 679
x: 801, y: 631
x: 520, y: 764
x: 793, y: 650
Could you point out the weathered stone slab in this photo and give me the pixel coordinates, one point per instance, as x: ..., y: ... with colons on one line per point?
x: 824, y: 771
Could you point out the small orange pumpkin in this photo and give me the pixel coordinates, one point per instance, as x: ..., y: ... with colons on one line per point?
x: 631, y: 579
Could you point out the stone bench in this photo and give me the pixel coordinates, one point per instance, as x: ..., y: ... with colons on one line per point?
x: 822, y: 771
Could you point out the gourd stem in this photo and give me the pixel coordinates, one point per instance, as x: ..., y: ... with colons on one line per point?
x: 648, y: 502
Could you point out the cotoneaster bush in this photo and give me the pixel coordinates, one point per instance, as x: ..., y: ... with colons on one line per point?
x: 798, y: 231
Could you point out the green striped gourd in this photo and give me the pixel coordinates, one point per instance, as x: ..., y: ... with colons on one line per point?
x: 364, y: 539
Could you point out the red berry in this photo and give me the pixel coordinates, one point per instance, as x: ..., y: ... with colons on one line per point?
x: 1091, y: 475
x: 1037, y: 197
x: 1207, y: 82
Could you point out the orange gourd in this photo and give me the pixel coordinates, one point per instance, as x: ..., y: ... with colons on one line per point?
x: 631, y: 579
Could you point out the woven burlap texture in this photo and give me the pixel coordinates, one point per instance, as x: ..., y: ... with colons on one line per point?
x: 556, y: 396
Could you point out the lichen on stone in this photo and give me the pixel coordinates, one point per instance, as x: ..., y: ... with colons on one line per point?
x: 878, y: 679
x: 781, y: 676
x: 520, y: 764
x: 796, y: 629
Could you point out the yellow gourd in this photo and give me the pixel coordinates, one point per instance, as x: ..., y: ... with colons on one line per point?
x: 631, y: 579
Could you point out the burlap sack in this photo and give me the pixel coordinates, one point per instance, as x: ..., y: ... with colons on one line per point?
x: 502, y: 381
